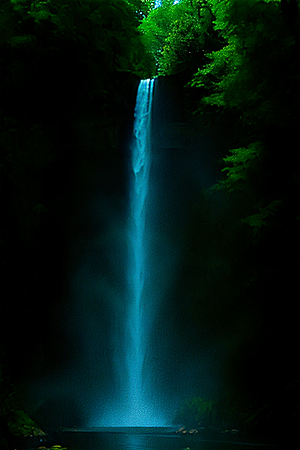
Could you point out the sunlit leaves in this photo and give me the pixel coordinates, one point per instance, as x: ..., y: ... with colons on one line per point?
x: 218, y: 76
x: 178, y: 34
x: 246, y: 73
x: 255, y: 76
x: 142, y: 7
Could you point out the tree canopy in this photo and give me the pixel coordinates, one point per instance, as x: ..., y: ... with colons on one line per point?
x: 244, y: 56
x: 255, y: 75
x: 178, y: 34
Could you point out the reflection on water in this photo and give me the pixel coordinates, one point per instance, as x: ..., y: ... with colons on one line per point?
x: 148, y: 440
x: 134, y: 442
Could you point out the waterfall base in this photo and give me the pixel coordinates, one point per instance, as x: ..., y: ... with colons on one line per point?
x: 119, y: 416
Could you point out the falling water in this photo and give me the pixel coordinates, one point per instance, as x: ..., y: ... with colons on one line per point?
x: 135, y: 401
x: 139, y: 409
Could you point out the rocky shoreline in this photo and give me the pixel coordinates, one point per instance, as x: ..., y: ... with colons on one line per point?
x: 184, y: 430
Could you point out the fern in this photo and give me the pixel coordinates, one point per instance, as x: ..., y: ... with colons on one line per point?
x: 240, y: 165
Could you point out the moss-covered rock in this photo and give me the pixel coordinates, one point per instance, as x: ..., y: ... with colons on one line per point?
x: 20, y: 424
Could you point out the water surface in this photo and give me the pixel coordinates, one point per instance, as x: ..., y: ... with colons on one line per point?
x: 150, y: 439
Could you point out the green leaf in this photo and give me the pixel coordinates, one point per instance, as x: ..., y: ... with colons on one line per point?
x: 241, y: 164
x: 261, y: 219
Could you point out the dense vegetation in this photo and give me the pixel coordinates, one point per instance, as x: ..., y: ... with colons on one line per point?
x: 242, y: 58
x: 63, y: 74
x: 246, y: 56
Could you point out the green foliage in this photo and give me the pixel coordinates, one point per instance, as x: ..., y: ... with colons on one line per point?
x: 109, y: 27
x: 240, y: 165
x: 142, y: 7
x: 247, y: 72
x: 255, y: 76
x: 264, y: 217
x: 217, y: 76
x: 178, y: 34
x: 20, y: 424
x: 58, y: 57
x: 17, y: 421
x: 155, y: 29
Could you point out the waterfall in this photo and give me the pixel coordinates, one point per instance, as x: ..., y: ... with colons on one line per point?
x: 138, y: 411
x: 135, y: 400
